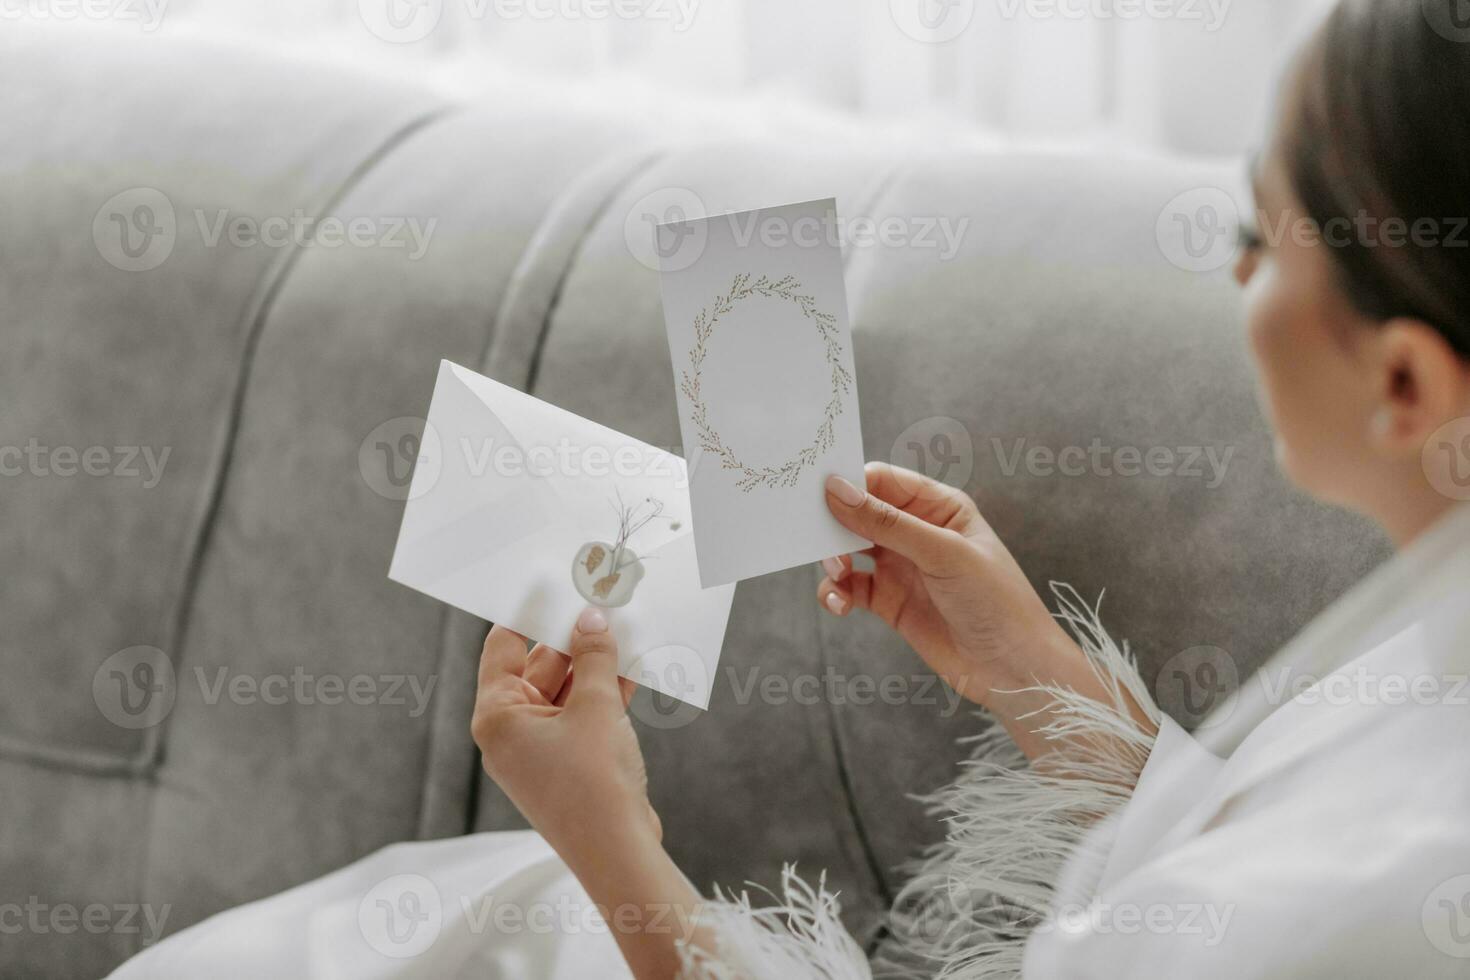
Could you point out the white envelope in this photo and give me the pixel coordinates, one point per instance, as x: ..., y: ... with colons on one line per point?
x: 507, y: 490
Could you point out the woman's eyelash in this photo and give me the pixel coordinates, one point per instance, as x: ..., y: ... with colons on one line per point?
x: 1250, y: 239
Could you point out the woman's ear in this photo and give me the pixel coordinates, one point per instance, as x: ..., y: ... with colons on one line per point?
x: 1422, y: 383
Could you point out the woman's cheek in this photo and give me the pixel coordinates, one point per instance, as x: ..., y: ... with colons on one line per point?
x: 1278, y: 360
x: 1263, y: 330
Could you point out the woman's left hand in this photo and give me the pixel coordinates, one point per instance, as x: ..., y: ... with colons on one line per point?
x: 554, y: 734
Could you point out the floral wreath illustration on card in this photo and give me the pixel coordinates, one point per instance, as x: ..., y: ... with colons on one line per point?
x: 784, y: 474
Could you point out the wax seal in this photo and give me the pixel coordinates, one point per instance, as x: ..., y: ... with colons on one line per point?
x: 606, y: 574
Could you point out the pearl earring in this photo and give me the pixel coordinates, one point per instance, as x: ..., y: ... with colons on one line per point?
x: 1381, y: 425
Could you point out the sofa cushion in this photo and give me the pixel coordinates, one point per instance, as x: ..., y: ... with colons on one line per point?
x: 102, y: 354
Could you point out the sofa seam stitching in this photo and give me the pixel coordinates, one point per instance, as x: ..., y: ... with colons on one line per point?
x: 637, y: 166
x: 268, y: 288
x: 870, y: 857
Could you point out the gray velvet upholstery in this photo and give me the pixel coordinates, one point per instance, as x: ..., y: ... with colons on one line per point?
x: 263, y: 549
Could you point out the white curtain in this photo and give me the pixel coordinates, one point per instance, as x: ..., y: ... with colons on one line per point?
x: 1187, y: 76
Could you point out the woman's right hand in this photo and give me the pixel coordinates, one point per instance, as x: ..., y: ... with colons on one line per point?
x: 944, y: 582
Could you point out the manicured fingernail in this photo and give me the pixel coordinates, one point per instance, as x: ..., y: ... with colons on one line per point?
x: 835, y: 603
x: 592, y: 621
x: 844, y: 491
x: 832, y: 567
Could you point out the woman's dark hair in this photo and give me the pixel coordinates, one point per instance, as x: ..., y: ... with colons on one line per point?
x: 1380, y: 130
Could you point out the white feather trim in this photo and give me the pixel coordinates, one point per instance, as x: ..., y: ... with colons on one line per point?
x: 975, y: 898
x: 802, y: 937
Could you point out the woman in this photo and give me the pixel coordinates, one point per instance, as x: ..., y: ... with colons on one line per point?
x: 1317, y: 835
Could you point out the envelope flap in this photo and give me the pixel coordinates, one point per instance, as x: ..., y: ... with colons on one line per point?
x: 577, y: 459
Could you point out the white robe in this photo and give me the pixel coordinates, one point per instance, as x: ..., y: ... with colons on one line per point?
x: 1310, y: 831
x: 1326, y: 837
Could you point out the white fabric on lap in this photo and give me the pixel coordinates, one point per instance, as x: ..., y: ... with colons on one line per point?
x: 488, y: 906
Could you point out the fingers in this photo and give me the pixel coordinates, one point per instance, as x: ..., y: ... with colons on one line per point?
x: 546, y: 671
x: 926, y: 498
x: 886, y: 523
x: 854, y: 591
x: 501, y: 688
x: 504, y: 655
x: 837, y: 568
x: 594, y: 663
x: 626, y: 689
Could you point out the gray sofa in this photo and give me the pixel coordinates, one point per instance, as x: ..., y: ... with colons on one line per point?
x: 260, y: 548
